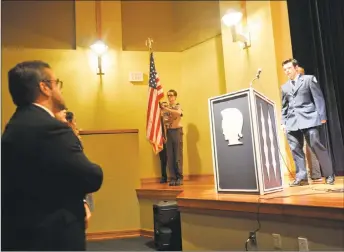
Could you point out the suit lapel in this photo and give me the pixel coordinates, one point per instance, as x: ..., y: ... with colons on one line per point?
x: 290, y: 87
x: 298, y: 84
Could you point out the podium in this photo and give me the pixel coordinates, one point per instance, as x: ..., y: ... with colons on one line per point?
x: 245, y: 146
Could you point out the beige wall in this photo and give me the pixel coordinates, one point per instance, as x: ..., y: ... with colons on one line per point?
x: 209, y: 69
x: 202, y: 76
x: 146, y: 213
x: 268, y: 25
x: 215, y: 233
x: 115, y: 103
x: 116, y: 205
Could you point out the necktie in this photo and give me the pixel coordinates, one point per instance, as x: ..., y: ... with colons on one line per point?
x: 293, y: 82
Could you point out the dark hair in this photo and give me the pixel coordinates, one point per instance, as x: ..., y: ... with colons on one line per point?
x: 293, y: 61
x: 172, y: 91
x: 24, y: 79
x: 69, y: 116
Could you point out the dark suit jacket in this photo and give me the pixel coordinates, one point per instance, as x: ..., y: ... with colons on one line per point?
x: 45, y: 177
x: 303, y: 106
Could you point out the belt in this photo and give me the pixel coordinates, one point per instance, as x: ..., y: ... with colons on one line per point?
x: 174, y: 128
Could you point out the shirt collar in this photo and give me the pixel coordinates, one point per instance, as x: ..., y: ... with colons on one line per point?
x: 49, y: 112
x: 296, y: 77
x: 295, y: 80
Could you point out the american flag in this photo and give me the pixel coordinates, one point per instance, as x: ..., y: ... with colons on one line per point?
x: 155, y: 94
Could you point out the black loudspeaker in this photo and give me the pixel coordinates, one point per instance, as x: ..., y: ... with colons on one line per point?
x: 167, y: 230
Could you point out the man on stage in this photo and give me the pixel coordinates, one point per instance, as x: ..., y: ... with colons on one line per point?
x: 303, y: 111
x: 174, y: 138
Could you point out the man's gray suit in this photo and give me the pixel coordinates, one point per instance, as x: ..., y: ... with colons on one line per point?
x: 303, y: 109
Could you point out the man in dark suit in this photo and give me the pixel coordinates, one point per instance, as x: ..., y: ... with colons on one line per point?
x: 45, y: 174
x: 303, y: 111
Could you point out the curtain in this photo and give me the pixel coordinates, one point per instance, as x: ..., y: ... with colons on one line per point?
x: 317, y: 36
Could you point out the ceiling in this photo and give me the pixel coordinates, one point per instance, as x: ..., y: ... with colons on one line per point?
x: 32, y: 24
x: 174, y: 26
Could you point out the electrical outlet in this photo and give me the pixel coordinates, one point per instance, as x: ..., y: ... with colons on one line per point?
x: 277, y: 241
x: 135, y: 76
x: 253, y: 240
x: 303, y: 244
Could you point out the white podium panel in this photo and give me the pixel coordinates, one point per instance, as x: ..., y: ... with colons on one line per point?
x: 245, y: 143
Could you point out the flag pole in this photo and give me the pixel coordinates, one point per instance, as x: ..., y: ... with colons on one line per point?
x: 149, y: 43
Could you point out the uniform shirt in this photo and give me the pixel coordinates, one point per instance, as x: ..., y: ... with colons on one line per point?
x: 172, y: 121
x: 293, y: 82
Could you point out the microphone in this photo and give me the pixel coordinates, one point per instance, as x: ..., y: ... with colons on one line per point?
x: 258, y: 73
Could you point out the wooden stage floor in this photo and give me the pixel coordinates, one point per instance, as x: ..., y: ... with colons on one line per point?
x: 316, y: 200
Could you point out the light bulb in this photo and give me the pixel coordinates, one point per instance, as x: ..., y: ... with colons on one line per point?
x: 99, y: 47
x: 231, y: 18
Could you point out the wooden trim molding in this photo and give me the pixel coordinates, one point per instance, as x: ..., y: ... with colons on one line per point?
x: 201, y: 178
x: 103, y: 132
x: 212, y: 206
x: 315, y: 222
x: 109, y: 235
x: 149, y: 190
x: 119, y: 234
x: 147, y: 233
x: 158, y: 194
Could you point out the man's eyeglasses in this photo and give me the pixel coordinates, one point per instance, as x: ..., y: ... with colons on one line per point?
x: 58, y: 82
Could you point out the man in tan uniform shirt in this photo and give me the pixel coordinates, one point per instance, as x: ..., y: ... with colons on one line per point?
x: 172, y: 120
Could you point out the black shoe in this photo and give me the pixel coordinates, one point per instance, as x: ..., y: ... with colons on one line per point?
x: 330, y: 180
x: 299, y: 182
x: 163, y: 180
x: 179, y: 182
x: 172, y: 182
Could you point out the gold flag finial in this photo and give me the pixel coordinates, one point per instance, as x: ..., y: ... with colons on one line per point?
x: 149, y: 43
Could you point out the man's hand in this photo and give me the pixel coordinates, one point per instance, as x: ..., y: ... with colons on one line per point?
x: 88, y: 214
x: 323, y: 121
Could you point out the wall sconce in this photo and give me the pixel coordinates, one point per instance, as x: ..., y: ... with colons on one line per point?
x: 231, y: 19
x: 99, y: 48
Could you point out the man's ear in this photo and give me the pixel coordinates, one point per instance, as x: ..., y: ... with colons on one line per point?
x: 44, y: 89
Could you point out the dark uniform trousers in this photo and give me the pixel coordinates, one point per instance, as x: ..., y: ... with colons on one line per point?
x: 163, y: 161
x: 313, y: 163
x: 296, y: 141
x: 174, y: 152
